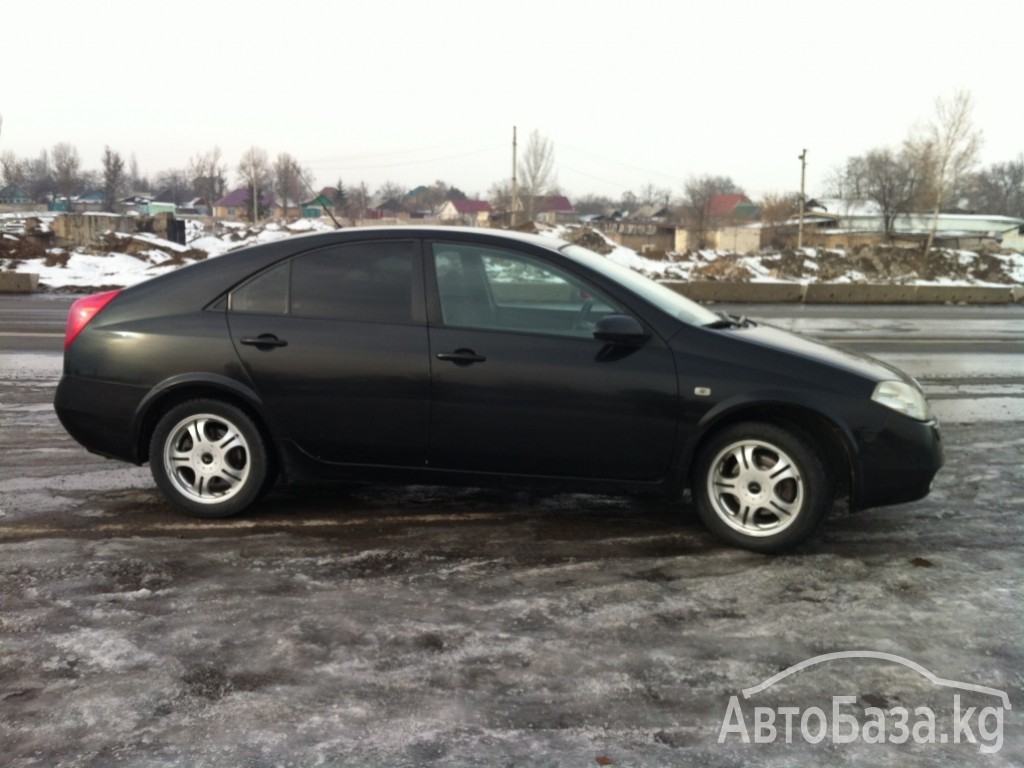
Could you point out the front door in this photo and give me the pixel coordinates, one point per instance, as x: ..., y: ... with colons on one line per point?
x: 519, y: 385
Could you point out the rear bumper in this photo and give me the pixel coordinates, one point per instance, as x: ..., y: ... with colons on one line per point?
x: 98, y: 414
x: 898, y: 463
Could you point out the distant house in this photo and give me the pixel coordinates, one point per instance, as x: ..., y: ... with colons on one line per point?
x: 89, y: 202
x: 238, y: 205
x: 468, y: 213
x: 134, y: 204
x: 732, y: 206
x: 197, y: 206
x: 651, y: 213
x: 154, y: 207
x: 14, y: 195
x: 314, y: 209
x: 835, y: 222
x: 169, y: 195
x: 554, y: 209
x: 391, y: 208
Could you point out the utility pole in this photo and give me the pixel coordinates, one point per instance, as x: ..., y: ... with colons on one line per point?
x: 255, y: 204
x: 803, y: 178
x: 515, y: 188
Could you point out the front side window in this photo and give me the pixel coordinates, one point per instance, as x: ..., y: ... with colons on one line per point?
x: 368, y: 282
x: 503, y: 290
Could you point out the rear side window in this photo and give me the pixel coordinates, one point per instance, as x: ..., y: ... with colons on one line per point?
x: 369, y: 282
x: 266, y: 294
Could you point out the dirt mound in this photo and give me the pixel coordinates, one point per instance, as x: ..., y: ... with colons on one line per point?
x: 887, y: 264
x: 21, y: 248
x: 120, y: 243
x: 722, y: 269
x: 588, y: 238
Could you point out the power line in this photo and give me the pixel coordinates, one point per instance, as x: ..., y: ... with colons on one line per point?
x: 674, y: 177
x: 328, y: 165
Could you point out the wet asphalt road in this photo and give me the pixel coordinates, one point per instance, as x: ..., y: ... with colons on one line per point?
x: 427, y: 626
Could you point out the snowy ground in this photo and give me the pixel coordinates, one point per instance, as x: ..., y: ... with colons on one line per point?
x: 87, y: 269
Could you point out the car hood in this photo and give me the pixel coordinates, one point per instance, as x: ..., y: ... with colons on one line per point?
x: 780, y: 340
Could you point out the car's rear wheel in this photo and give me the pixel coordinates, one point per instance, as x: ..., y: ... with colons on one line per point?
x: 761, y: 486
x: 209, y: 458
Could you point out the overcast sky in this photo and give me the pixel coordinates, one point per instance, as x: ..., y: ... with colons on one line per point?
x: 630, y: 93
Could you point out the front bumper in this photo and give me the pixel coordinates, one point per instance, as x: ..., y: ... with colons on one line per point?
x: 897, y: 464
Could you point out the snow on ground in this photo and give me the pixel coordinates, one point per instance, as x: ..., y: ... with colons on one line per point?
x: 88, y: 268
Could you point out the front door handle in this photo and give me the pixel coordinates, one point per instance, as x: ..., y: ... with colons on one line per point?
x: 462, y: 357
x: 263, y: 341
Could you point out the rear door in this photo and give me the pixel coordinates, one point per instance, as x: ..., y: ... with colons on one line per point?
x: 335, y: 342
x: 519, y: 384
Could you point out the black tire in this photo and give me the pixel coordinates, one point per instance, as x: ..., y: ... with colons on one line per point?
x: 209, y: 458
x: 762, y: 486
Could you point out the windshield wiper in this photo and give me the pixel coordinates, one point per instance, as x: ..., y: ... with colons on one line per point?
x: 731, y: 321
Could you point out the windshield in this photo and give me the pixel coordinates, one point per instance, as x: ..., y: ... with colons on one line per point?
x: 663, y: 297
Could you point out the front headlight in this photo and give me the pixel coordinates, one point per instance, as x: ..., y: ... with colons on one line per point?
x: 903, y: 398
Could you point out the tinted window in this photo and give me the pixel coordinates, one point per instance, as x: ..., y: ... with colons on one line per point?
x: 503, y: 290
x: 265, y: 294
x: 361, y: 281
x: 366, y: 281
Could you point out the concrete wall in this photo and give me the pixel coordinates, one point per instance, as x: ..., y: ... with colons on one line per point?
x: 844, y: 293
x: 662, y: 240
x: 18, y: 282
x: 77, y: 229
x: 74, y: 229
x: 736, y: 239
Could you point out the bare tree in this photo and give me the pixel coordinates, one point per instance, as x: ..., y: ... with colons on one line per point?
x: 135, y: 180
x: 536, y: 171
x: 67, y: 169
x: 849, y: 181
x: 207, y: 172
x: 393, y: 194
x: 39, y: 176
x: 999, y: 189
x: 12, y: 170
x: 777, y: 209
x: 173, y: 185
x: 499, y: 195
x: 697, y: 194
x: 113, y: 177
x: 593, y: 205
x: 894, y: 182
x: 948, y: 148
x: 651, y: 194
x: 358, y: 200
x: 254, y: 173
x: 292, y: 182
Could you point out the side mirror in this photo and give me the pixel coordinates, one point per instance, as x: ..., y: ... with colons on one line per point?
x: 619, y: 329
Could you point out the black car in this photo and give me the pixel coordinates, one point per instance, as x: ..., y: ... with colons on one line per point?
x: 434, y: 355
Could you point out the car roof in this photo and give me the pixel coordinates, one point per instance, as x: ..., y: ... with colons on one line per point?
x: 427, y: 231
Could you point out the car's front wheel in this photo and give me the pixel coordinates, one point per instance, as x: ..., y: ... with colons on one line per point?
x: 209, y: 458
x: 761, y: 486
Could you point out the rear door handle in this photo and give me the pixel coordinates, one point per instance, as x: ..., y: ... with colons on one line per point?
x: 264, y: 340
x: 462, y: 357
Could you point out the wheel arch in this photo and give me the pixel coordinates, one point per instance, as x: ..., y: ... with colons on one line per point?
x: 183, y: 388
x: 818, y: 425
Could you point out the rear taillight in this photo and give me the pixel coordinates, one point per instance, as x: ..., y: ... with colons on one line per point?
x: 84, y: 310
